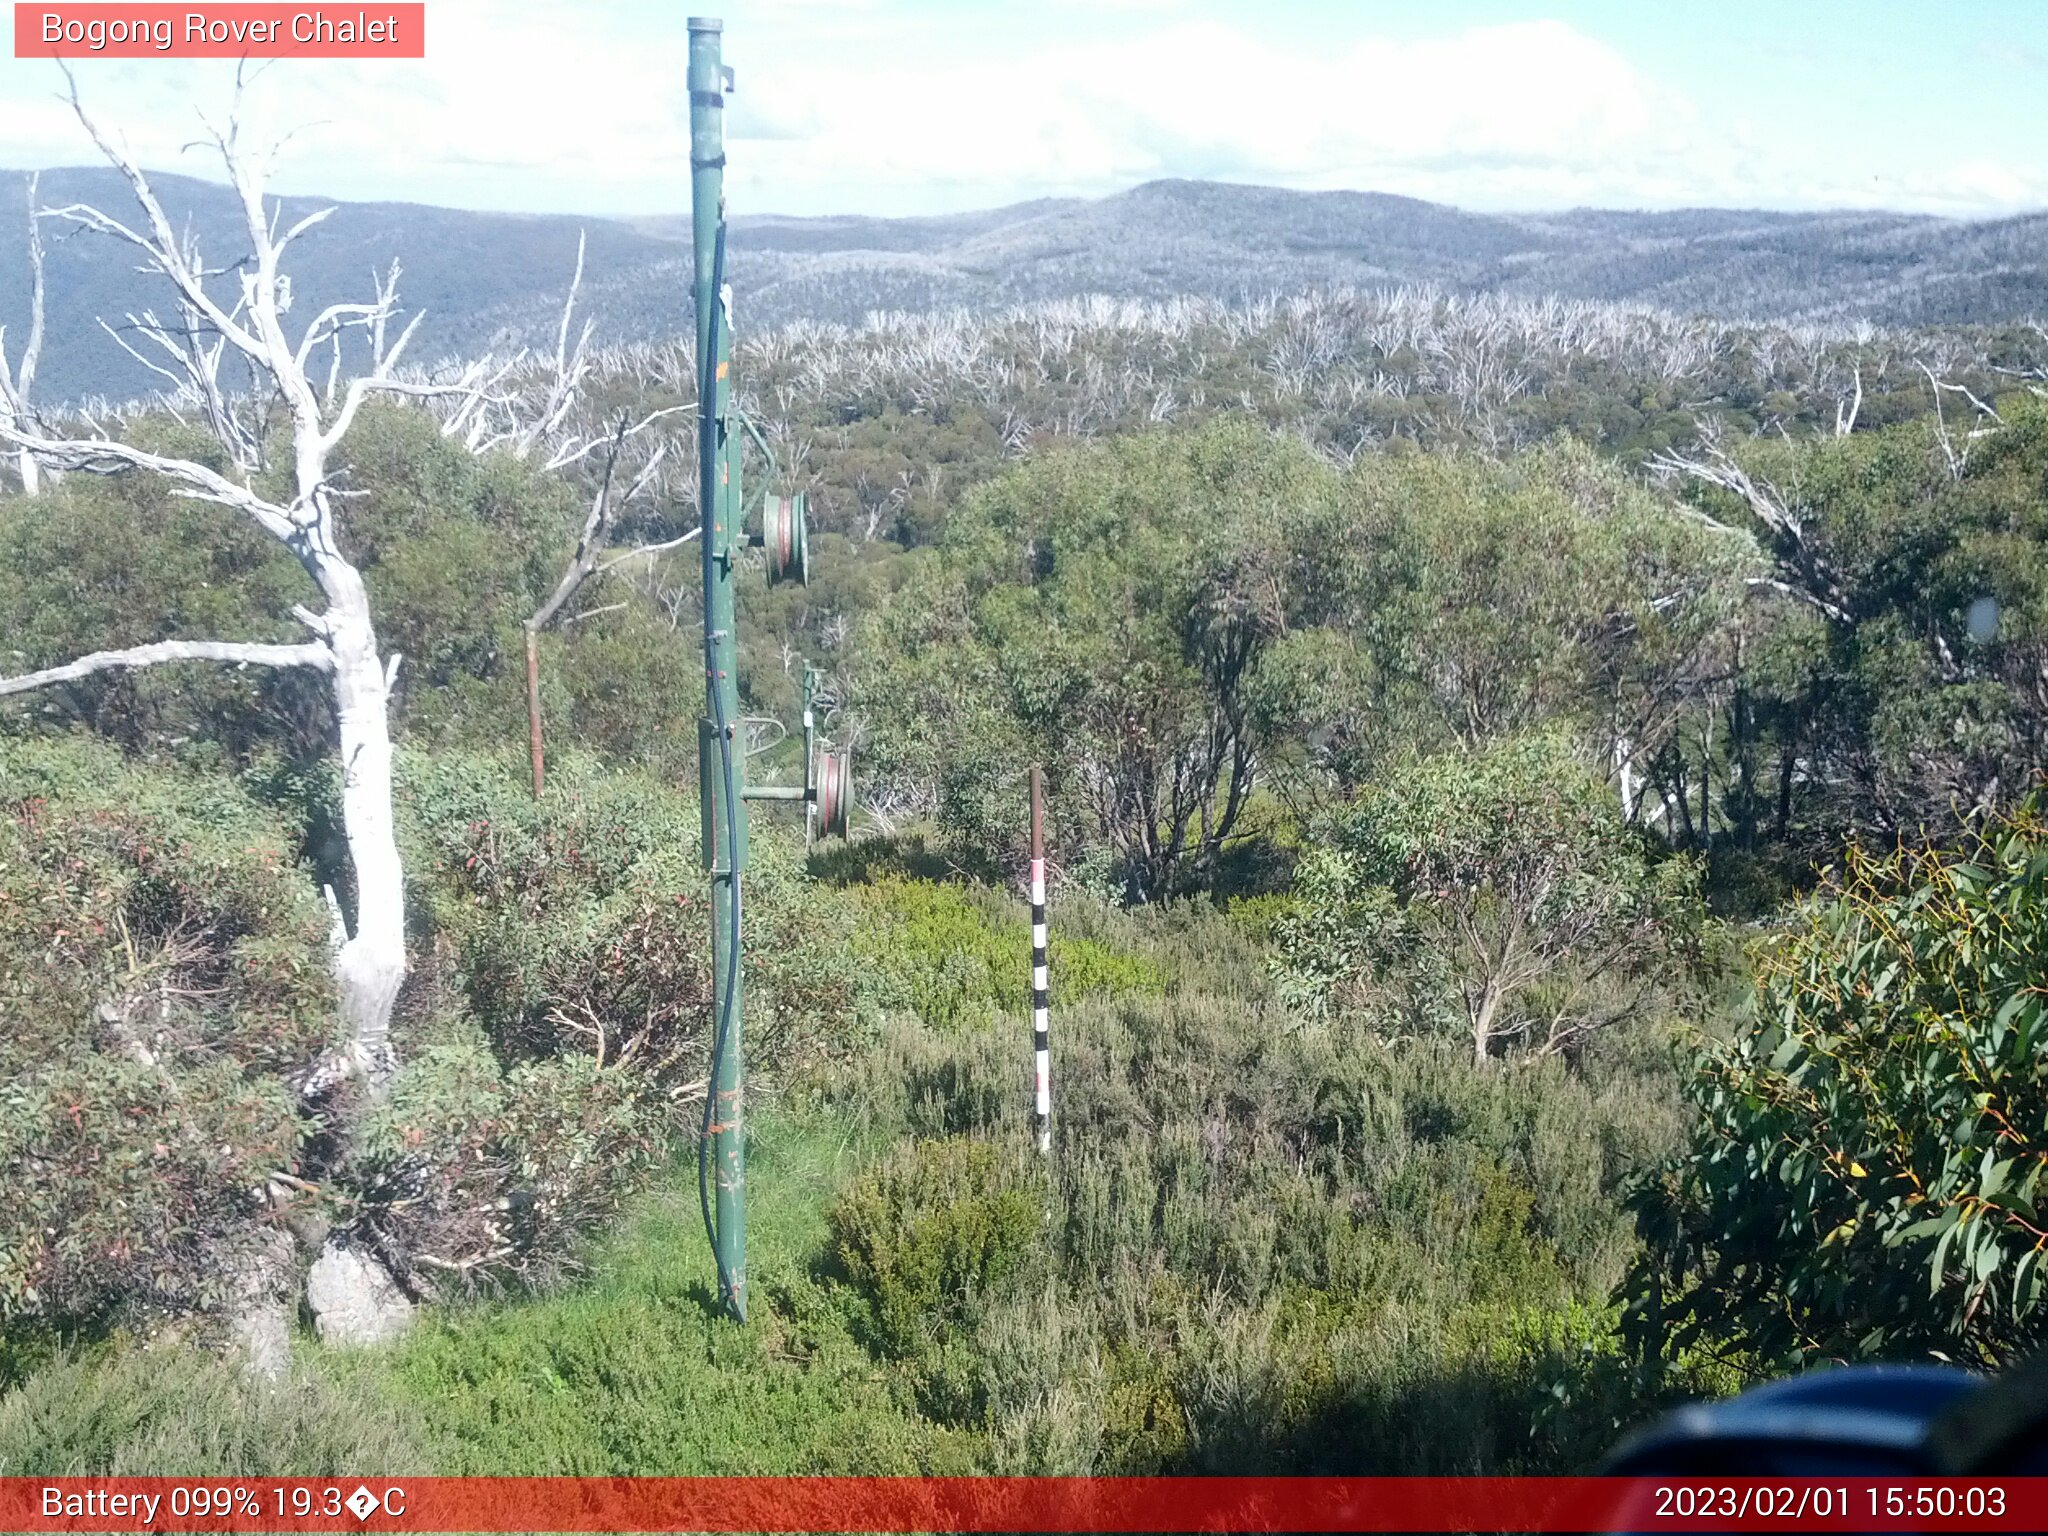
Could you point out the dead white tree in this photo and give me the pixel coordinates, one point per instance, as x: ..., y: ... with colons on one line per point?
x: 369, y: 952
x: 1957, y: 459
x: 545, y: 425
x: 1847, y: 410
x: 17, y: 383
x: 594, y: 557
x: 1808, y: 575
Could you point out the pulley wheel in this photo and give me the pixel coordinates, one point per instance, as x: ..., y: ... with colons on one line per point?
x: 786, y: 538
x: 835, y: 794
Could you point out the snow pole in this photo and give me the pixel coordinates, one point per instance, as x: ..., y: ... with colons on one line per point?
x: 1041, y: 1002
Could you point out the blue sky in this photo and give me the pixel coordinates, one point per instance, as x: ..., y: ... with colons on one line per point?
x: 917, y: 106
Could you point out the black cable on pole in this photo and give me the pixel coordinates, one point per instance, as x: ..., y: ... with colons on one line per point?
x: 707, y: 449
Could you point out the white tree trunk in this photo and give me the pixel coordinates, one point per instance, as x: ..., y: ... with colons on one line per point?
x: 1625, y: 775
x: 370, y: 965
x: 1482, y: 1021
x: 16, y: 385
x: 369, y: 954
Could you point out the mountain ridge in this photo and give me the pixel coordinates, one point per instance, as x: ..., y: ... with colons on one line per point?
x: 496, y: 280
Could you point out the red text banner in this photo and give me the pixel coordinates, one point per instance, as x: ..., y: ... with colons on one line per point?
x: 231, y: 31
x: 904, y: 1504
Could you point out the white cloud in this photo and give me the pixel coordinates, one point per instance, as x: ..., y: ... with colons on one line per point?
x: 1973, y: 186
x: 28, y: 125
x: 1441, y: 116
x: 848, y: 105
x: 508, y: 103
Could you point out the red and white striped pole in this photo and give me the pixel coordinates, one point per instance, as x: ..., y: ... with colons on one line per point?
x: 1041, y: 1005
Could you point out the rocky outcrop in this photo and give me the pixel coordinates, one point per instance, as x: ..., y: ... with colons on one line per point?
x: 353, y: 1299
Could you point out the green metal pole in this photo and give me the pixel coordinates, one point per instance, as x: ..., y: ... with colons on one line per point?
x: 721, y: 757
x: 810, y: 756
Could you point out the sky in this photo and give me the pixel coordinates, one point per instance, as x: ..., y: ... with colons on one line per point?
x: 932, y: 106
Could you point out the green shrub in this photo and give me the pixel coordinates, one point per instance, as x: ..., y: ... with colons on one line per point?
x: 577, y: 924
x: 163, y: 975
x: 1279, y: 1249
x: 933, y: 1230
x: 626, y: 684
x: 580, y: 924
x: 906, y: 855
x: 175, y: 1411
x: 636, y: 1368
x: 1195, y: 947
x: 471, y: 1171
x: 1500, y: 888
x: 1865, y: 1174
x: 99, y: 562
x: 1104, y: 610
x: 555, y: 1027
x: 954, y: 954
x: 456, y: 550
x: 164, y: 978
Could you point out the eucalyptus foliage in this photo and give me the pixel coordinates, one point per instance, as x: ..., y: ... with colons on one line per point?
x: 1865, y: 1175
x: 1104, y: 610
x: 1500, y: 890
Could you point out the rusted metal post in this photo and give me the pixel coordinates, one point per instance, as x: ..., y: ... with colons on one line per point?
x: 533, y: 712
x: 1041, y: 1004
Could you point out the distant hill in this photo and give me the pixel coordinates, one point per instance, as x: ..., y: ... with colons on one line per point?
x: 496, y: 280
x: 483, y: 278
x: 1229, y: 241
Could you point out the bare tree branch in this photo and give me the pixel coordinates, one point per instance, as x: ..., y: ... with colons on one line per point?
x: 1958, y: 459
x: 596, y: 527
x: 239, y: 652
x: 570, y: 368
x: 177, y: 381
x: 1797, y: 594
x: 165, y: 252
x: 1715, y: 466
x: 648, y: 551
x: 105, y: 455
x: 574, y: 450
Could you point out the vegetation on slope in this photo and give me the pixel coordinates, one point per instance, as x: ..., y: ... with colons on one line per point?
x: 1409, y: 806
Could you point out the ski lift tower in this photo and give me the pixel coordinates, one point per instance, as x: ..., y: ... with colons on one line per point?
x: 721, y: 742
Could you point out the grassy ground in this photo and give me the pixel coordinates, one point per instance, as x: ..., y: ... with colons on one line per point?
x: 630, y: 1370
x: 635, y: 1370
x: 1263, y: 1247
